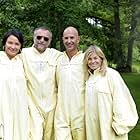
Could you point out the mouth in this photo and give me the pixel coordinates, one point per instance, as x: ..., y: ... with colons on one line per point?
x: 40, y: 45
x: 69, y: 45
x: 13, y: 50
x: 93, y: 65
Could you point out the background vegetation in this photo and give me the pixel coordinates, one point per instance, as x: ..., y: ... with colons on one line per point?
x: 132, y: 80
x: 113, y: 25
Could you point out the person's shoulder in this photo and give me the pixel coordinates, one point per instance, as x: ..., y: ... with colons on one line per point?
x: 2, y: 53
x: 109, y: 69
x: 25, y: 53
x: 112, y: 72
x: 26, y: 49
x: 82, y: 54
x: 53, y: 50
x: 54, y: 53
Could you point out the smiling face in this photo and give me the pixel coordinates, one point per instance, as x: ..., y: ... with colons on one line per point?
x: 42, y: 39
x: 12, y: 46
x: 71, y: 39
x: 94, y: 61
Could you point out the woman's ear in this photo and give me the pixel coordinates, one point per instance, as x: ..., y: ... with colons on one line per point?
x: 3, y: 48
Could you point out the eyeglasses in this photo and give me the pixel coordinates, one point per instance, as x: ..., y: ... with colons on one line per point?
x: 40, y: 37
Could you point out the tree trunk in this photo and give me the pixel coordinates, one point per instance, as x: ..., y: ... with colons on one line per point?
x: 130, y: 43
x: 118, y: 51
x: 132, y: 37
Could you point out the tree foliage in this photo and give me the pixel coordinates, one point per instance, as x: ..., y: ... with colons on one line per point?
x: 112, y: 24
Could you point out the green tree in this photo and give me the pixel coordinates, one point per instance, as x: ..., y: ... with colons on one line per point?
x: 134, y: 18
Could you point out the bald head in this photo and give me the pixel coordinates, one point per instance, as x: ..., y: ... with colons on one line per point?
x: 71, y: 29
x: 71, y: 40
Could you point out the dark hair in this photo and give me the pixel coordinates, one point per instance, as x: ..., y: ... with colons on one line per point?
x: 15, y: 33
x: 43, y: 28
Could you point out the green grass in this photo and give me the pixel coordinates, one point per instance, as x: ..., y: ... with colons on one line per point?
x: 133, y: 82
x: 136, y: 67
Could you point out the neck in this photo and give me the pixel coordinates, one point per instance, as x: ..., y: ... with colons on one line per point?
x: 71, y: 53
x: 9, y: 56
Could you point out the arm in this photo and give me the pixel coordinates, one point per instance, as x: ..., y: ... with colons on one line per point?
x: 125, y: 114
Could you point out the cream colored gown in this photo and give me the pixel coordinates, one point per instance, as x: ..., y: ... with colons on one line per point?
x: 40, y: 69
x: 14, y: 115
x: 69, y: 116
x: 110, y: 110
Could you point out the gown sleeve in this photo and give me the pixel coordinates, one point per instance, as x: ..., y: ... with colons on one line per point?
x: 125, y: 115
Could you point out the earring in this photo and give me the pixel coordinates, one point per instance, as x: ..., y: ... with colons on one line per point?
x: 3, y: 47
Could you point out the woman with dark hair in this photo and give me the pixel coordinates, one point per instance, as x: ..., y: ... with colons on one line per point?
x: 13, y: 35
x: 14, y: 114
x: 110, y: 110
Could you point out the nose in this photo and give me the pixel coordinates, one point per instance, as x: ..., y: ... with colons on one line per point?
x: 69, y: 40
x: 42, y: 39
x: 13, y: 46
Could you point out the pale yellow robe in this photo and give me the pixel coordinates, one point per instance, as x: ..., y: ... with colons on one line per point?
x: 40, y: 69
x: 69, y: 116
x: 14, y: 113
x: 110, y: 110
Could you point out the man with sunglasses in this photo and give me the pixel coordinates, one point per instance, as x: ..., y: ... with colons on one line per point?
x: 40, y: 69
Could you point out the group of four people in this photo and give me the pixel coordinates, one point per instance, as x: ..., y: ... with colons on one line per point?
x: 49, y: 95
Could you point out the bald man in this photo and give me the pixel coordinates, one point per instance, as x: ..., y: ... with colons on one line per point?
x: 69, y: 116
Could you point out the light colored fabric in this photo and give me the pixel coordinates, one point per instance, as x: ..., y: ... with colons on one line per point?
x: 40, y: 69
x: 14, y: 113
x: 110, y: 110
x: 69, y: 118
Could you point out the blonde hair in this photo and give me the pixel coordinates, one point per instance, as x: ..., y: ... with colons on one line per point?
x: 95, y: 49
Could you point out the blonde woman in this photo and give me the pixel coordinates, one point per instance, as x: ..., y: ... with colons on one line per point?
x: 110, y: 110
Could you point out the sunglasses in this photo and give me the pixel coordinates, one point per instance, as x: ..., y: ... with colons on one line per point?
x: 40, y: 37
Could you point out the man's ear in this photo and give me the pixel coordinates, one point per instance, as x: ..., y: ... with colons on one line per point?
x: 78, y: 39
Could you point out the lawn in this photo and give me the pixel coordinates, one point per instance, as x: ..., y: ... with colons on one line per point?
x: 136, y: 67
x: 133, y: 82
